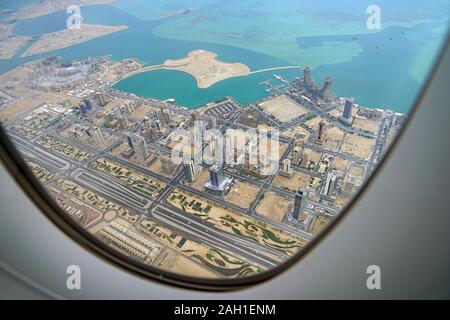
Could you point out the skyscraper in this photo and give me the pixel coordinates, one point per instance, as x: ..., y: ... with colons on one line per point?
x: 307, y: 78
x: 296, y: 155
x: 216, y: 175
x: 300, y: 198
x: 139, y: 147
x: 195, y: 117
x: 129, y: 107
x: 87, y: 104
x: 189, y: 170
x: 320, y: 132
x: 166, y: 116
x: 329, y: 189
x: 102, y: 99
x: 325, y: 92
x: 286, y: 170
x: 347, y: 115
x: 287, y: 165
x: 123, y: 122
x: 212, y: 122
x: 218, y: 184
x: 98, y: 136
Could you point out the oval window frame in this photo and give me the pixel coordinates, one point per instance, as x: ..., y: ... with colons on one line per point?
x: 22, y: 174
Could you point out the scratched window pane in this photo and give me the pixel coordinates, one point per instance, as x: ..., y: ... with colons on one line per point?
x: 208, y: 138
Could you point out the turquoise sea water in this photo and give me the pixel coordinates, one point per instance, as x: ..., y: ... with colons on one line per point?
x: 378, y: 71
x: 168, y: 84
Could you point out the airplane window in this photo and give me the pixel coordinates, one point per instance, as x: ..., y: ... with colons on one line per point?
x: 208, y: 141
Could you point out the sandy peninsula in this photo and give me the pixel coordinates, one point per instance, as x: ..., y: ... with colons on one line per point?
x: 10, y: 44
x: 67, y: 38
x: 203, y: 66
x: 45, y: 7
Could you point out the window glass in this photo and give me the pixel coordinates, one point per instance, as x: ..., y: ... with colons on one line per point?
x: 207, y: 138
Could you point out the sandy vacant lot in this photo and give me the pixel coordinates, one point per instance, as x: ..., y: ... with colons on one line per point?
x: 242, y: 194
x: 333, y: 137
x: 366, y: 124
x: 201, y: 180
x: 292, y: 132
x: 313, y: 123
x: 358, y: 146
x: 67, y: 38
x: 273, y: 206
x: 339, y: 164
x: 283, y: 108
x: 298, y: 181
x: 319, y: 225
x: 313, y: 159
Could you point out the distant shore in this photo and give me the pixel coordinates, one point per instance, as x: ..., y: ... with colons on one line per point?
x: 67, y: 38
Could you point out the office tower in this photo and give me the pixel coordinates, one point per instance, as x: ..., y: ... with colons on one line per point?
x: 286, y: 170
x: 118, y: 112
x: 123, y: 122
x: 325, y: 92
x: 218, y: 184
x: 102, y: 99
x: 216, y: 175
x: 129, y: 107
x: 139, y: 147
x: 197, y: 133
x: 347, y: 115
x: 158, y: 125
x: 87, y: 104
x: 329, y: 190
x: 130, y: 142
x: 307, y: 78
x: 286, y: 165
x: 98, y: 136
x: 167, y: 118
x: 212, y: 148
x: 300, y: 198
x: 296, y: 155
x: 320, y: 132
x: 212, y: 122
x: 195, y: 117
x: 189, y: 170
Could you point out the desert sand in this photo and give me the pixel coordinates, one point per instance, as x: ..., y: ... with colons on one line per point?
x: 70, y: 37
x: 203, y: 66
